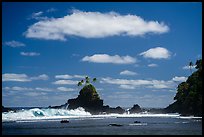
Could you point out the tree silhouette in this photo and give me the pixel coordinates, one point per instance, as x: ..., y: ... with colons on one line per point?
x: 87, y: 81
x: 94, y: 79
x: 191, y: 66
x: 79, y: 83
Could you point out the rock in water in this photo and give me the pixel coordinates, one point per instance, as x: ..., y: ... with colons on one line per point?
x: 117, y: 125
x: 137, y: 122
x: 135, y: 109
x: 5, y: 109
x: 64, y: 121
x: 88, y: 98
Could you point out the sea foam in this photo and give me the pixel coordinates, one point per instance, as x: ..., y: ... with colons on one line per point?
x: 37, y: 114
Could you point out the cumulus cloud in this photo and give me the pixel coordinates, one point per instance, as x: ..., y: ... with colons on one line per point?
x: 22, y: 77
x: 43, y: 89
x: 65, y: 89
x: 179, y: 79
x: 105, y: 58
x: 127, y: 87
x: 156, y: 53
x: 65, y: 82
x: 30, y: 54
x: 14, y: 44
x: 63, y: 76
x: 16, y: 88
x: 34, y: 94
x: 15, y: 77
x: 93, y: 25
x: 132, y: 84
x: 40, y: 77
x: 152, y: 65
x: 66, y: 76
x: 127, y: 72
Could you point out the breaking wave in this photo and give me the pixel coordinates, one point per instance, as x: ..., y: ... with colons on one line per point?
x: 37, y: 114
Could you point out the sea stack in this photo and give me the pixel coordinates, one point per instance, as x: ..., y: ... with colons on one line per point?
x: 88, y: 98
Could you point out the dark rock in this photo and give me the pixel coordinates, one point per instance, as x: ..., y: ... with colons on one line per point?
x: 137, y: 122
x: 117, y: 125
x: 89, y: 99
x: 118, y: 110
x: 64, y: 121
x: 5, y: 109
x: 135, y: 109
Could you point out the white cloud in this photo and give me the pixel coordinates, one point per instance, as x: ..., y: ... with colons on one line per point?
x: 93, y: 25
x: 65, y: 89
x: 127, y: 72
x: 127, y: 87
x: 43, y: 89
x: 63, y: 77
x: 104, y: 58
x: 79, y: 76
x: 132, y: 84
x: 188, y: 67
x: 40, y: 77
x: 14, y: 44
x: 15, y: 77
x: 34, y: 94
x: 156, y: 53
x: 37, y: 13
x: 21, y: 89
x: 30, y: 54
x: 38, y: 16
x: 152, y: 65
x: 6, y: 88
x: 22, y: 77
x: 66, y: 76
x: 179, y: 79
x: 65, y: 82
x: 18, y: 88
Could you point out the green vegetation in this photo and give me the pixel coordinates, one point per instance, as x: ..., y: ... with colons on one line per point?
x: 88, y: 97
x: 87, y: 81
x: 189, y: 94
x: 88, y: 92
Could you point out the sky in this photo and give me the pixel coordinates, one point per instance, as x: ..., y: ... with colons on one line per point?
x: 138, y: 51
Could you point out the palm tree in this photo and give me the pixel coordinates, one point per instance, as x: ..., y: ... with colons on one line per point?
x: 190, y: 66
x: 94, y: 79
x: 87, y: 80
x: 79, y: 83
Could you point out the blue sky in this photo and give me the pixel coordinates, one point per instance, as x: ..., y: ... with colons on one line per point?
x: 139, y: 52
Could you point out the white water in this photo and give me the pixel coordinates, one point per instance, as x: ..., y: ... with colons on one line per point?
x: 37, y: 114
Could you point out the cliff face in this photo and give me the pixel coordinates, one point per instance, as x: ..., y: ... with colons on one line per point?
x: 88, y: 98
x: 189, y: 94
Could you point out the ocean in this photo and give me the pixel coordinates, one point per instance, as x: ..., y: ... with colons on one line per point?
x: 39, y: 121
